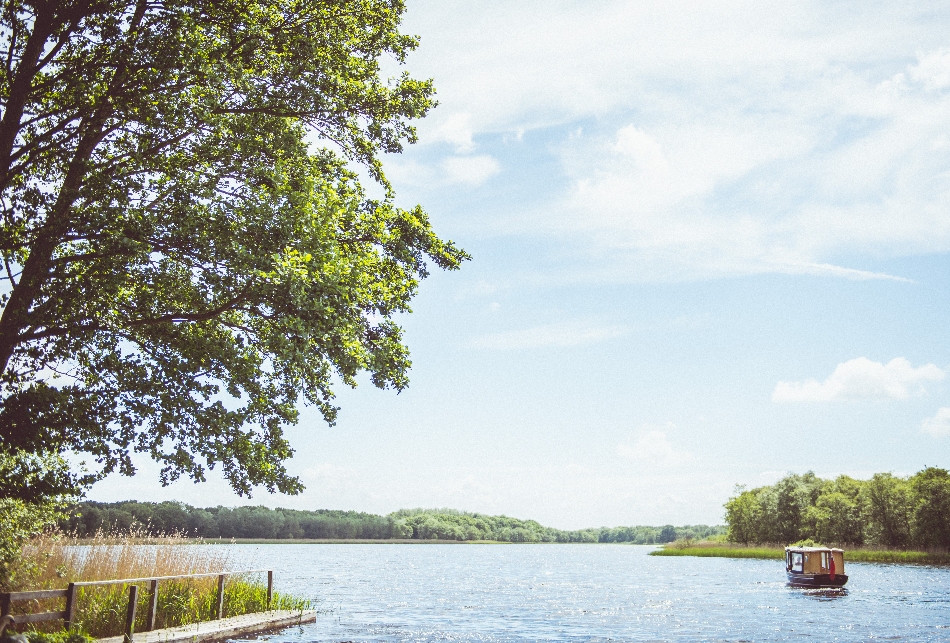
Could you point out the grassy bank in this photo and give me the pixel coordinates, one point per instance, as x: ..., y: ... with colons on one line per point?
x: 721, y: 551
x: 864, y: 555
x: 53, y: 562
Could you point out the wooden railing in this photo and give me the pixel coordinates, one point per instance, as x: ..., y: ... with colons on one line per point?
x: 68, y: 615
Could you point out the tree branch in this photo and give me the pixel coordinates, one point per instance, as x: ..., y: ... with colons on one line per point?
x: 6, y: 263
x: 174, y: 317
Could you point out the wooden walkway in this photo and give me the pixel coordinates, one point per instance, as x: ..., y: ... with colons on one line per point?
x: 225, y: 628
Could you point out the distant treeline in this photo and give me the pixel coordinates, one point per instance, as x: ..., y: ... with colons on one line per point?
x: 886, y: 510
x: 417, y: 524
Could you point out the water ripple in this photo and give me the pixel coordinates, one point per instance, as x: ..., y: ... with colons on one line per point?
x: 590, y: 593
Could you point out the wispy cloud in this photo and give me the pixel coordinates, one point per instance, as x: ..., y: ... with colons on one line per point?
x: 653, y: 448
x: 846, y: 273
x: 459, y: 170
x: 732, y: 139
x: 654, y: 201
x: 862, y: 378
x: 939, y: 425
x: 456, y: 129
x: 470, y: 170
x: 932, y: 69
x: 326, y: 475
x: 563, y: 335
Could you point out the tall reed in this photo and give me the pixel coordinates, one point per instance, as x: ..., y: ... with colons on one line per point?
x: 54, y: 561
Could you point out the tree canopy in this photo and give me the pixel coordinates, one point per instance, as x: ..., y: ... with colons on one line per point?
x: 166, y: 518
x: 188, y: 252
x: 886, y: 510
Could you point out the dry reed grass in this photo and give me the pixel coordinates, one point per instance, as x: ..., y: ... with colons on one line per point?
x: 53, y: 561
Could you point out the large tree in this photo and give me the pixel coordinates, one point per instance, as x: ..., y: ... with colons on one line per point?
x: 931, y: 508
x: 188, y: 253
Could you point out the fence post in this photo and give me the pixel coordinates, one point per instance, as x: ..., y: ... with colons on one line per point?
x: 220, y: 595
x: 152, y: 605
x: 270, y: 586
x: 70, y: 606
x: 130, y: 613
x: 5, y: 619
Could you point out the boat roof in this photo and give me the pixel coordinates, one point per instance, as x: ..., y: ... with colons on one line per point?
x: 810, y: 549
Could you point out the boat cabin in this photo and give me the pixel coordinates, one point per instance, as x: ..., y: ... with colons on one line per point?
x: 815, y: 566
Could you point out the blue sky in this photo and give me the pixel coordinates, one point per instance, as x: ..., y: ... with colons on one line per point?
x: 704, y: 235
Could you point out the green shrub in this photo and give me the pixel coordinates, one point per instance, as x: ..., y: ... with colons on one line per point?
x: 34, y: 636
x: 35, y: 490
x: 71, y: 636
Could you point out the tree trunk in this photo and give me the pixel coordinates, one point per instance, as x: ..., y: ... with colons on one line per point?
x: 20, y: 88
x: 36, y: 269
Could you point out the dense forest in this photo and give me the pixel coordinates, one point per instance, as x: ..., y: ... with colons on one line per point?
x: 887, y: 510
x: 418, y: 524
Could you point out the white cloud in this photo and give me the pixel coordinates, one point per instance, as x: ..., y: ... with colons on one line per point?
x: 564, y: 335
x: 862, y: 378
x: 455, y: 129
x: 467, y: 170
x: 939, y: 425
x: 651, y: 200
x: 646, y: 153
x: 932, y: 69
x: 470, y: 170
x: 728, y: 138
x: 653, y: 448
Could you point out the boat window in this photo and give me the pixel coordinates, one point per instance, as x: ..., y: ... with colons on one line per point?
x: 796, y: 562
x: 824, y: 560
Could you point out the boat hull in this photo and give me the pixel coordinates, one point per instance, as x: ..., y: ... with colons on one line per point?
x: 816, y: 580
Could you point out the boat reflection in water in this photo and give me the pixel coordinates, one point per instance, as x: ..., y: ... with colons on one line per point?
x: 815, y: 567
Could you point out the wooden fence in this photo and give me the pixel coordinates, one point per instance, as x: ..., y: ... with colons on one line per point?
x: 68, y: 614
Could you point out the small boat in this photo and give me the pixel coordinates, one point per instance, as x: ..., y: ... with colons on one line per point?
x: 815, y: 567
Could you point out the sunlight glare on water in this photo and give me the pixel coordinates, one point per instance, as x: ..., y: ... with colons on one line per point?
x: 428, y: 593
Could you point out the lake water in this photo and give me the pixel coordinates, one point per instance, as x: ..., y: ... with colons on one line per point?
x: 429, y: 593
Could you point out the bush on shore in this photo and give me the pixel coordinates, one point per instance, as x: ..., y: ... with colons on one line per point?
x: 36, y: 491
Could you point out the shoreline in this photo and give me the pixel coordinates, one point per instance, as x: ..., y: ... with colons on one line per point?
x: 343, y: 541
x: 382, y: 541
